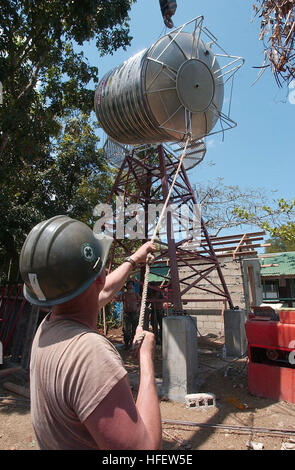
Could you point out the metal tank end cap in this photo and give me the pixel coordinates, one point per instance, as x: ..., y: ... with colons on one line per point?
x: 195, y: 85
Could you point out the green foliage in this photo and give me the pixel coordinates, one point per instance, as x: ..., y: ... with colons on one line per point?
x: 37, y: 48
x: 279, y: 245
x: 110, y: 321
x: 79, y: 177
x: 226, y: 207
x: 72, y: 181
x: 50, y: 162
x: 277, y: 219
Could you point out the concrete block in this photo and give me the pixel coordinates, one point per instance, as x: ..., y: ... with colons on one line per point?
x: 200, y: 400
x: 180, y: 357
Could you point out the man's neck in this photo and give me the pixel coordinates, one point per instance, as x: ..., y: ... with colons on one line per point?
x: 90, y: 323
x: 83, y: 309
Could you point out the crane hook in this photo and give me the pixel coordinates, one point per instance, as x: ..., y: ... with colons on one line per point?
x: 168, y: 9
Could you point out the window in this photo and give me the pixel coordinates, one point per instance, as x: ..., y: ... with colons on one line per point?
x: 292, y: 287
x: 271, y: 289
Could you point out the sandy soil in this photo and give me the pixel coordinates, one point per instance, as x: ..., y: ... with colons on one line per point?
x: 227, y: 380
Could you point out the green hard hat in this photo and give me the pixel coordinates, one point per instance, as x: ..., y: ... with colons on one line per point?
x: 60, y: 259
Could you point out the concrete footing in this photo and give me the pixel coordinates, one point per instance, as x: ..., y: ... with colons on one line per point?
x: 235, y: 333
x: 180, y: 357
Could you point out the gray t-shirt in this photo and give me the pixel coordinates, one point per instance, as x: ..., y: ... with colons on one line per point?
x: 72, y: 370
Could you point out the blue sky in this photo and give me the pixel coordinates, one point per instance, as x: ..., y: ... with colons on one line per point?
x: 258, y: 153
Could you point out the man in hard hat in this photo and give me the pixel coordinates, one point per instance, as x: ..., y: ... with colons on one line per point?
x: 80, y: 395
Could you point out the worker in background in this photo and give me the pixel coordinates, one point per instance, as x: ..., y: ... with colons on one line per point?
x: 80, y: 394
x: 156, y: 312
x: 131, y: 305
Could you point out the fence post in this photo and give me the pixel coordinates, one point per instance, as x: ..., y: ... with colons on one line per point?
x: 34, y: 315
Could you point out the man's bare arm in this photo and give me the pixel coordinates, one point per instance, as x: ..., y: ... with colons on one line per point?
x: 116, y: 280
x: 118, y: 423
x: 114, y: 283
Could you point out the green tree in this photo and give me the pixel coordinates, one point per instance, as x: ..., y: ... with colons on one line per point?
x: 72, y: 181
x: 278, y: 219
x: 229, y: 207
x: 47, y: 83
x: 37, y: 47
x: 79, y: 177
x: 278, y: 245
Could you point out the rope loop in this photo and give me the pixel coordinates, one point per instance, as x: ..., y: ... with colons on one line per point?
x: 150, y: 259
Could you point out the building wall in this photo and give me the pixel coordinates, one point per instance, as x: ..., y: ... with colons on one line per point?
x: 243, y: 281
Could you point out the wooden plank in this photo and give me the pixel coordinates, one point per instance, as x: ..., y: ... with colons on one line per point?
x: 228, y: 242
x: 233, y: 248
x: 252, y: 286
x: 269, y: 265
x: 230, y: 237
x: 10, y: 370
x: 241, y: 253
x: 18, y: 389
x: 202, y: 300
x: 244, y: 237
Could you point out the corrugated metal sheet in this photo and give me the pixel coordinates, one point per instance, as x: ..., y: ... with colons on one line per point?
x: 158, y: 274
x: 285, y: 262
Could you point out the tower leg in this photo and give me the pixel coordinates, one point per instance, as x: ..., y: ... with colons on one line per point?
x: 175, y: 284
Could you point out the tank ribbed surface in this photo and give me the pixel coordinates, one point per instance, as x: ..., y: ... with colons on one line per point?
x: 162, y: 93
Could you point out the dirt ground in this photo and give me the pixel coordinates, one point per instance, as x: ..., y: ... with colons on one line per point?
x: 226, y: 379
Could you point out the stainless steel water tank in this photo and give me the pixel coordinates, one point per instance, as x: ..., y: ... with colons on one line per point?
x: 162, y: 93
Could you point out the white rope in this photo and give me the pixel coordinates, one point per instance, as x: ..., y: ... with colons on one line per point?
x: 150, y: 257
